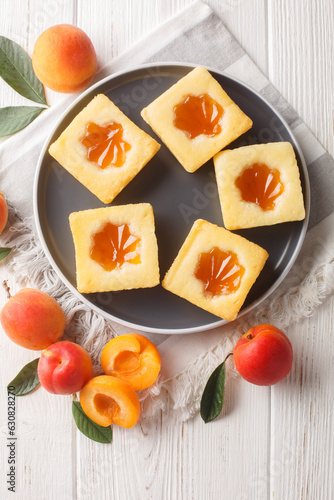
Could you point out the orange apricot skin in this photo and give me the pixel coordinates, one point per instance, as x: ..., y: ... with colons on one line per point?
x: 33, y: 319
x: 64, y: 368
x: 149, y: 360
x: 123, y: 400
x: 3, y: 212
x: 64, y: 58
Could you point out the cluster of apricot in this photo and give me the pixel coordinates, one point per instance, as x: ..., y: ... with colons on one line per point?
x: 34, y: 320
x: 131, y: 363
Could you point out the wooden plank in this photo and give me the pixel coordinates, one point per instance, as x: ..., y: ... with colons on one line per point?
x: 235, y: 441
x: 122, y: 22
x: 301, y: 54
x: 14, y: 20
x: 302, y: 414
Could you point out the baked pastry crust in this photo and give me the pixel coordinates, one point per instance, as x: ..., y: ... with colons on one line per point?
x: 181, y: 280
x: 237, y: 213
x: 193, y: 153
x: 72, y: 155
x: 91, y: 276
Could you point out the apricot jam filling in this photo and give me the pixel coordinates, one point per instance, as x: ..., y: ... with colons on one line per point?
x: 114, y: 245
x: 105, y: 145
x: 106, y: 406
x: 126, y: 362
x: 261, y: 185
x: 198, y: 114
x: 220, y: 271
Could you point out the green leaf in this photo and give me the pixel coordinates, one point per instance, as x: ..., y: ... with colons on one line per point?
x: 15, y: 118
x: 213, y: 394
x: 16, y: 69
x: 89, y: 428
x: 3, y: 250
x: 25, y: 381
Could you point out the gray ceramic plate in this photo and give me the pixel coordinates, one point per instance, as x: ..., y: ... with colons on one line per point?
x: 178, y: 198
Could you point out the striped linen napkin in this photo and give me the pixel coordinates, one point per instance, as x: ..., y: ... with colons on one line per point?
x: 196, y: 35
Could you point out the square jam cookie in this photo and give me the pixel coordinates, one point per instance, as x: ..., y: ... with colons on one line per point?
x: 259, y: 185
x: 215, y: 269
x: 195, y: 118
x: 103, y: 148
x: 115, y: 248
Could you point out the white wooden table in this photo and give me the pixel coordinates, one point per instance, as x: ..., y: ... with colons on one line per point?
x: 271, y: 442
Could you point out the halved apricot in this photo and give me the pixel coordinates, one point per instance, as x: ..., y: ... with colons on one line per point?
x: 132, y: 358
x: 108, y: 400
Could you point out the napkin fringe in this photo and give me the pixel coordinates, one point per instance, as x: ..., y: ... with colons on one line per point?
x: 296, y: 298
x: 182, y: 394
x: 293, y: 302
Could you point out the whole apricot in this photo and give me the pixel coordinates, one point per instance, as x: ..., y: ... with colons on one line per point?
x: 263, y: 356
x: 132, y: 358
x: 108, y: 400
x: 64, y: 368
x: 64, y: 58
x: 33, y: 319
x: 3, y: 212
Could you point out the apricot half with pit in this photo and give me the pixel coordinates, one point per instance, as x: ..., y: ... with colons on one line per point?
x: 108, y: 400
x: 133, y: 358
